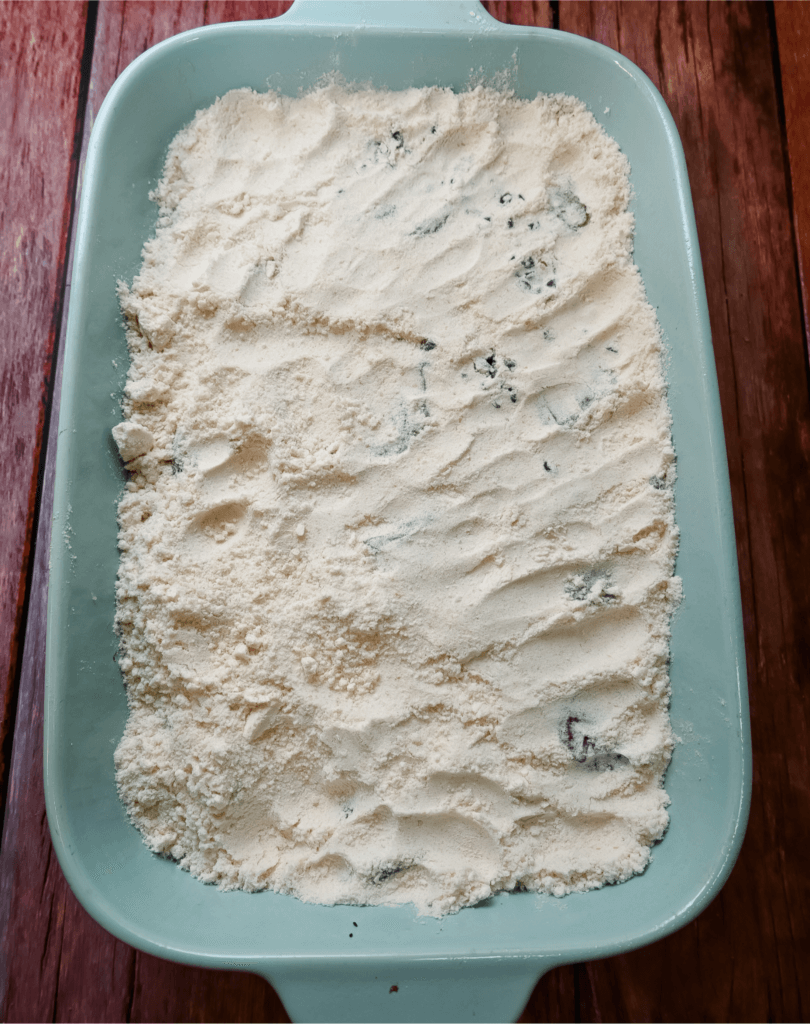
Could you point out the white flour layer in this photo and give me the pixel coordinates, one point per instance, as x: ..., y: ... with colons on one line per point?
x: 397, y: 548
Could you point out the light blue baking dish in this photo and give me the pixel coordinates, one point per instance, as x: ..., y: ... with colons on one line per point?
x: 482, y: 963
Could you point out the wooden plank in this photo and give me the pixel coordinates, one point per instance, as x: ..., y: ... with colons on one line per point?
x: 165, y: 991
x: 793, y: 30
x: 40, y: 72
x: 740, y: 960
x: 555, y: 997
x: 521, y: 12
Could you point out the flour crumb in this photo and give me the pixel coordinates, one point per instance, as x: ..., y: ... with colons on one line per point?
x: 132, y: 440
x: 397, y: 545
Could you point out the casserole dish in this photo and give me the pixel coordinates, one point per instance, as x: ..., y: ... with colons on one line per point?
x: 483, y: 962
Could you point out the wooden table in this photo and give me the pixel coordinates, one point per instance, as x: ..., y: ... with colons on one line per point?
x: 736, y: 79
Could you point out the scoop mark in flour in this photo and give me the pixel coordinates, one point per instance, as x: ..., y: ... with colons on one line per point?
x: 220, y: 523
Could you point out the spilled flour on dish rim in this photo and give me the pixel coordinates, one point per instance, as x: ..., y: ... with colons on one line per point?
x: 397, y: 545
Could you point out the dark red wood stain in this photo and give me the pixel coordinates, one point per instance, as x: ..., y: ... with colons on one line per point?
x: 521, y: 12
x: 40, y: 71
x: 793, y: 30
x: 741, y: 959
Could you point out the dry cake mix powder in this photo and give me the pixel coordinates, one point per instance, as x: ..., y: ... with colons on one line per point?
x: 397, y: 544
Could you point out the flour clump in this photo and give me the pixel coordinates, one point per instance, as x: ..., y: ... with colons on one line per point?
x: 397, y: 545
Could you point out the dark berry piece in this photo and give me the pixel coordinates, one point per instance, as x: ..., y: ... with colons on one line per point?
x: 576, y: 740
x: 485, y: 365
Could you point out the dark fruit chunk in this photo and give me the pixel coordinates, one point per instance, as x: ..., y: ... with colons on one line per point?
x: 584, y: 750
x: 384, y: 872
x: 576, y: 740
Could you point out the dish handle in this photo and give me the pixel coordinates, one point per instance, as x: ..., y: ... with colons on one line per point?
x: 427, y: 15
x: 488, y: 988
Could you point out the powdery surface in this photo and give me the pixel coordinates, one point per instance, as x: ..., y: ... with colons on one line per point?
x: 397, y: 547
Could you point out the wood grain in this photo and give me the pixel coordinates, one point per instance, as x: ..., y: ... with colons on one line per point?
x: 40, y: 73
x: 793, y: 30
x: 742, y: 958
x: 521, y: 12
